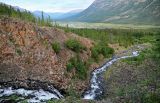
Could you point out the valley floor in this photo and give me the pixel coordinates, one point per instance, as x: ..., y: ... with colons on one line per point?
x: 104, y: 25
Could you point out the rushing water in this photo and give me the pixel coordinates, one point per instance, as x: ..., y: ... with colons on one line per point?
x: 35, y: 96
x: 95, y: 90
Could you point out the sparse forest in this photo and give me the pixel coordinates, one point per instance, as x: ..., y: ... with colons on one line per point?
x: 124, y: 37
x: 7, y: 10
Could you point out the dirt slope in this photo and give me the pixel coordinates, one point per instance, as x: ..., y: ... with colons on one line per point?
x: 26, y: 54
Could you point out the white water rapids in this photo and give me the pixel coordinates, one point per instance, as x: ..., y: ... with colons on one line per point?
x: 92, y: 93
x: 35, y: 96
x: 95, y: 89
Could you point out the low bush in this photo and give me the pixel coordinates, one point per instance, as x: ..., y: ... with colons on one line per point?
x: 19, y: 52
x: 135, y: 60
x: 56, y: 47
x: 79, y: 66
x: 74, y: 45
x: 101, y: 49
x: 157, y: 48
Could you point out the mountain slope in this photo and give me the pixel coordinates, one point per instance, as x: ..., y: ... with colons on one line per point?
x: 122, y: 11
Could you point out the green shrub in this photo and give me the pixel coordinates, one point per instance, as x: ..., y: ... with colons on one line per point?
x: 81, y: 70
x: 101, y: 49
x: 69, y: 66
x: 74, y: 45
x: 136, y: 60
x: 95, y: 53
x: 150, y: 98
x: 80, y: 67
x: 72, y: 92
x: 120, y: 92
x: 157, y: 47
x: 56, y: 47
x: 106, y: 51
x: 19, y: 52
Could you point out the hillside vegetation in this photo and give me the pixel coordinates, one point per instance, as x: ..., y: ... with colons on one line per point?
x: 123, y: 37
x: 7, y: 10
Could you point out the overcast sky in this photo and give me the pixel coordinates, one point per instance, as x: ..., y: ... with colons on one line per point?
x: 50, y: 5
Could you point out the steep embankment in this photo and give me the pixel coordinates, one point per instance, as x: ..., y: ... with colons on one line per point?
x: 27, y: 57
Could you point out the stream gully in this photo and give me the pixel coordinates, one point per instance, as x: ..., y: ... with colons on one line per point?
x: 94, y: 91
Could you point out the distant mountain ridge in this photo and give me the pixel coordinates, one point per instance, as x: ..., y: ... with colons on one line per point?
x: 53, y: 16
x: 121, y: 11
x: 57, y: 15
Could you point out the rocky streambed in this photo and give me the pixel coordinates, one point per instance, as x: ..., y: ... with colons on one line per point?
x: 42, y: 92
